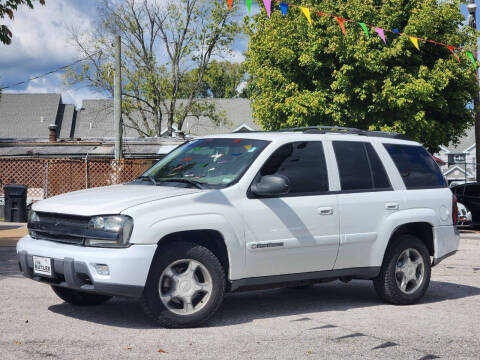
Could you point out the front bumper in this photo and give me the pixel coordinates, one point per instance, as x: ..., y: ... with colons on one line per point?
x: 73, y: 266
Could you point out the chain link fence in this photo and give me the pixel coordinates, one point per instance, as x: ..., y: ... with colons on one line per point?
x: 50, y: 177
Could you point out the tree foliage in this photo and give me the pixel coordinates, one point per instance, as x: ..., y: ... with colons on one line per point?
x: 304, y: 75
x: 8, y: 8
x: 162, y: 42
x: 223, y: 78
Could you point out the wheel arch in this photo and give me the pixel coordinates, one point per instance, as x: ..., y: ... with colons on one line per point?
x: 423, y: 230
x: 213, y: 240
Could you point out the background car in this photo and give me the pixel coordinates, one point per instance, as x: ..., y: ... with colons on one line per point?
x: 464, y: 216
x: 469, y: 195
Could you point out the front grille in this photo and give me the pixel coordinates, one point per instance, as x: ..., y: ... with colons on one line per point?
x: 61, y: 228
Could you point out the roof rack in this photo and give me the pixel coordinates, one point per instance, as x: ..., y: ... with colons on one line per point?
x: 345, y: 130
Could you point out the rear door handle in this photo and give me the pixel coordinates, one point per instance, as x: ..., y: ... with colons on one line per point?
x: 392, y: 206
x: 325, y: 211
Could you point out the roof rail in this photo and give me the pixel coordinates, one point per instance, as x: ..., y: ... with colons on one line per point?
x: 346, y: 130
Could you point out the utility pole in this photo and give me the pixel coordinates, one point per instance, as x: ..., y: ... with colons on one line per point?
x: 472, y: 21
x: 117, y: 99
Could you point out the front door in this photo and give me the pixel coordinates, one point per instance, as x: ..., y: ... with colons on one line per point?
x: 298, y: 232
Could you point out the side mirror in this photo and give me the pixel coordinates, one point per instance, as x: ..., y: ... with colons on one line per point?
x: 271, y: 185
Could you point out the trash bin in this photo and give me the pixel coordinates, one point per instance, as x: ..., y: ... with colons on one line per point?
x: 15, y: 203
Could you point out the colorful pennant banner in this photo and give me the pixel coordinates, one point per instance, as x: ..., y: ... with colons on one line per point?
x: 342, y: 26
x: 380, y: 33
x: 414, y: 41
x: 365, y: 29
x: 268, y: 6
x: 248, y: 4
x: 341, y: 22
x: 306, y: 12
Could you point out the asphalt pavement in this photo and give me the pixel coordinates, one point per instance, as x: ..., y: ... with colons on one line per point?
x: 327, y: 321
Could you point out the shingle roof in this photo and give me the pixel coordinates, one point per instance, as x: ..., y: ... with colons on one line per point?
x: 27, y: 115
x: 465, y: 142
x: 96, y: 119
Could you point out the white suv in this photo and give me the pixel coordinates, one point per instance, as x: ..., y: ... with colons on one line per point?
x: 240, y: 211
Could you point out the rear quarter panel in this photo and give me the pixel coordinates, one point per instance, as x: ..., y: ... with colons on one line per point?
x: 433, y: 206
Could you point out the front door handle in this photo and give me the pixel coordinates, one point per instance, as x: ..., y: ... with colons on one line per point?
x: 325, y: 211
x: 392, y: 206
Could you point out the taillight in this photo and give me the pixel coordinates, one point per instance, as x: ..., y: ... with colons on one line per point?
x: 454, y: 210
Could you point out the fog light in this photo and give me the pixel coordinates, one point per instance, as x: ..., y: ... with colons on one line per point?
x: 102, y: 269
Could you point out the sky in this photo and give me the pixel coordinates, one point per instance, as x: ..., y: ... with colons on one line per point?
x: 41, y: 43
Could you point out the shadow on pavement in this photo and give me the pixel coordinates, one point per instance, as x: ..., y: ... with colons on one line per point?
x: 245, y: 307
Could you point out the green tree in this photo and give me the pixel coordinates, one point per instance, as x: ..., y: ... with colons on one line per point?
x: 303, y: 74
x: 161, y: 43
x: 223, y: 78
x: 8, y: 8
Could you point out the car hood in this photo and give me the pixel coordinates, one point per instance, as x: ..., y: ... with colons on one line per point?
x: 108, y: 200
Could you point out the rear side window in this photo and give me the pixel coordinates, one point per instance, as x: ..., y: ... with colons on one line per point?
x: 360, y: 167
x: 416, y: 166
x: 304, y: 165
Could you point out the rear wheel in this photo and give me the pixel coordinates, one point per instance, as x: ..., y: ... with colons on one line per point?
x: 185, y: 287
x: 79, y: 298
x: 405, y: 274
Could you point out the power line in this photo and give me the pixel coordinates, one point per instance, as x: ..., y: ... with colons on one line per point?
x: 49, y: 72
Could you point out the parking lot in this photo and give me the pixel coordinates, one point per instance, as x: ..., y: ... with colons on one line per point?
x: 332, y: 320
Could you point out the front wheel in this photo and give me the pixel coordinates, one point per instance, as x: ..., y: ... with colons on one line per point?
x: 185, y: 286
x: 405, y: 273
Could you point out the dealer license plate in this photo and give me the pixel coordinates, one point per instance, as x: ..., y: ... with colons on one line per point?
x: 42, y: 265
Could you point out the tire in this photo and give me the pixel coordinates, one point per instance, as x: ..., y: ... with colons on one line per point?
x: 79, y: 298
x: 167, y: 280
x: 388, y: 284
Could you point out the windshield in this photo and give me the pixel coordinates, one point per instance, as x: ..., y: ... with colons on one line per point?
x: 206, y: 162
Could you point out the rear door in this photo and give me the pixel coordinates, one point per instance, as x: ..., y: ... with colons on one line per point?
x: 298, y: 232
x: 365, y: 199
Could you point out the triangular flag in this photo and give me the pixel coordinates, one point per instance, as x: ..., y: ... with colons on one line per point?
x: 249, y: 5
x: 365, y: 29
x: 268, y: 6
x: 379, y: 31
x: 450, y: 47
x: 472, y: 59
x: 230, y: 4
x: 306, y: 12
x: 414, y: 40
x: 340, y: 22
x: 283, y: 8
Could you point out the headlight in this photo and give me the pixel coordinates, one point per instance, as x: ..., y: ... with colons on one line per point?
x: 120, y: 226
x: 33, y: 217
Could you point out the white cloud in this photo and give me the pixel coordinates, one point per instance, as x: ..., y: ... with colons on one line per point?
x: 40, y: 43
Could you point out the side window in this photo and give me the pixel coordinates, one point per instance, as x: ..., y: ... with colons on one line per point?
x: 360, y: 167
x: 380, y: 178
x: 304, y: 165
x: 416, y: 165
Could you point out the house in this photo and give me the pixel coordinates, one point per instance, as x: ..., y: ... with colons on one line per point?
x: 460, y: 160
x: 41, y: 125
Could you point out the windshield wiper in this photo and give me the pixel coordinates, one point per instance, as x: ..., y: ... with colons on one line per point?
x: 149, y: 178
x: 197, y: 184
